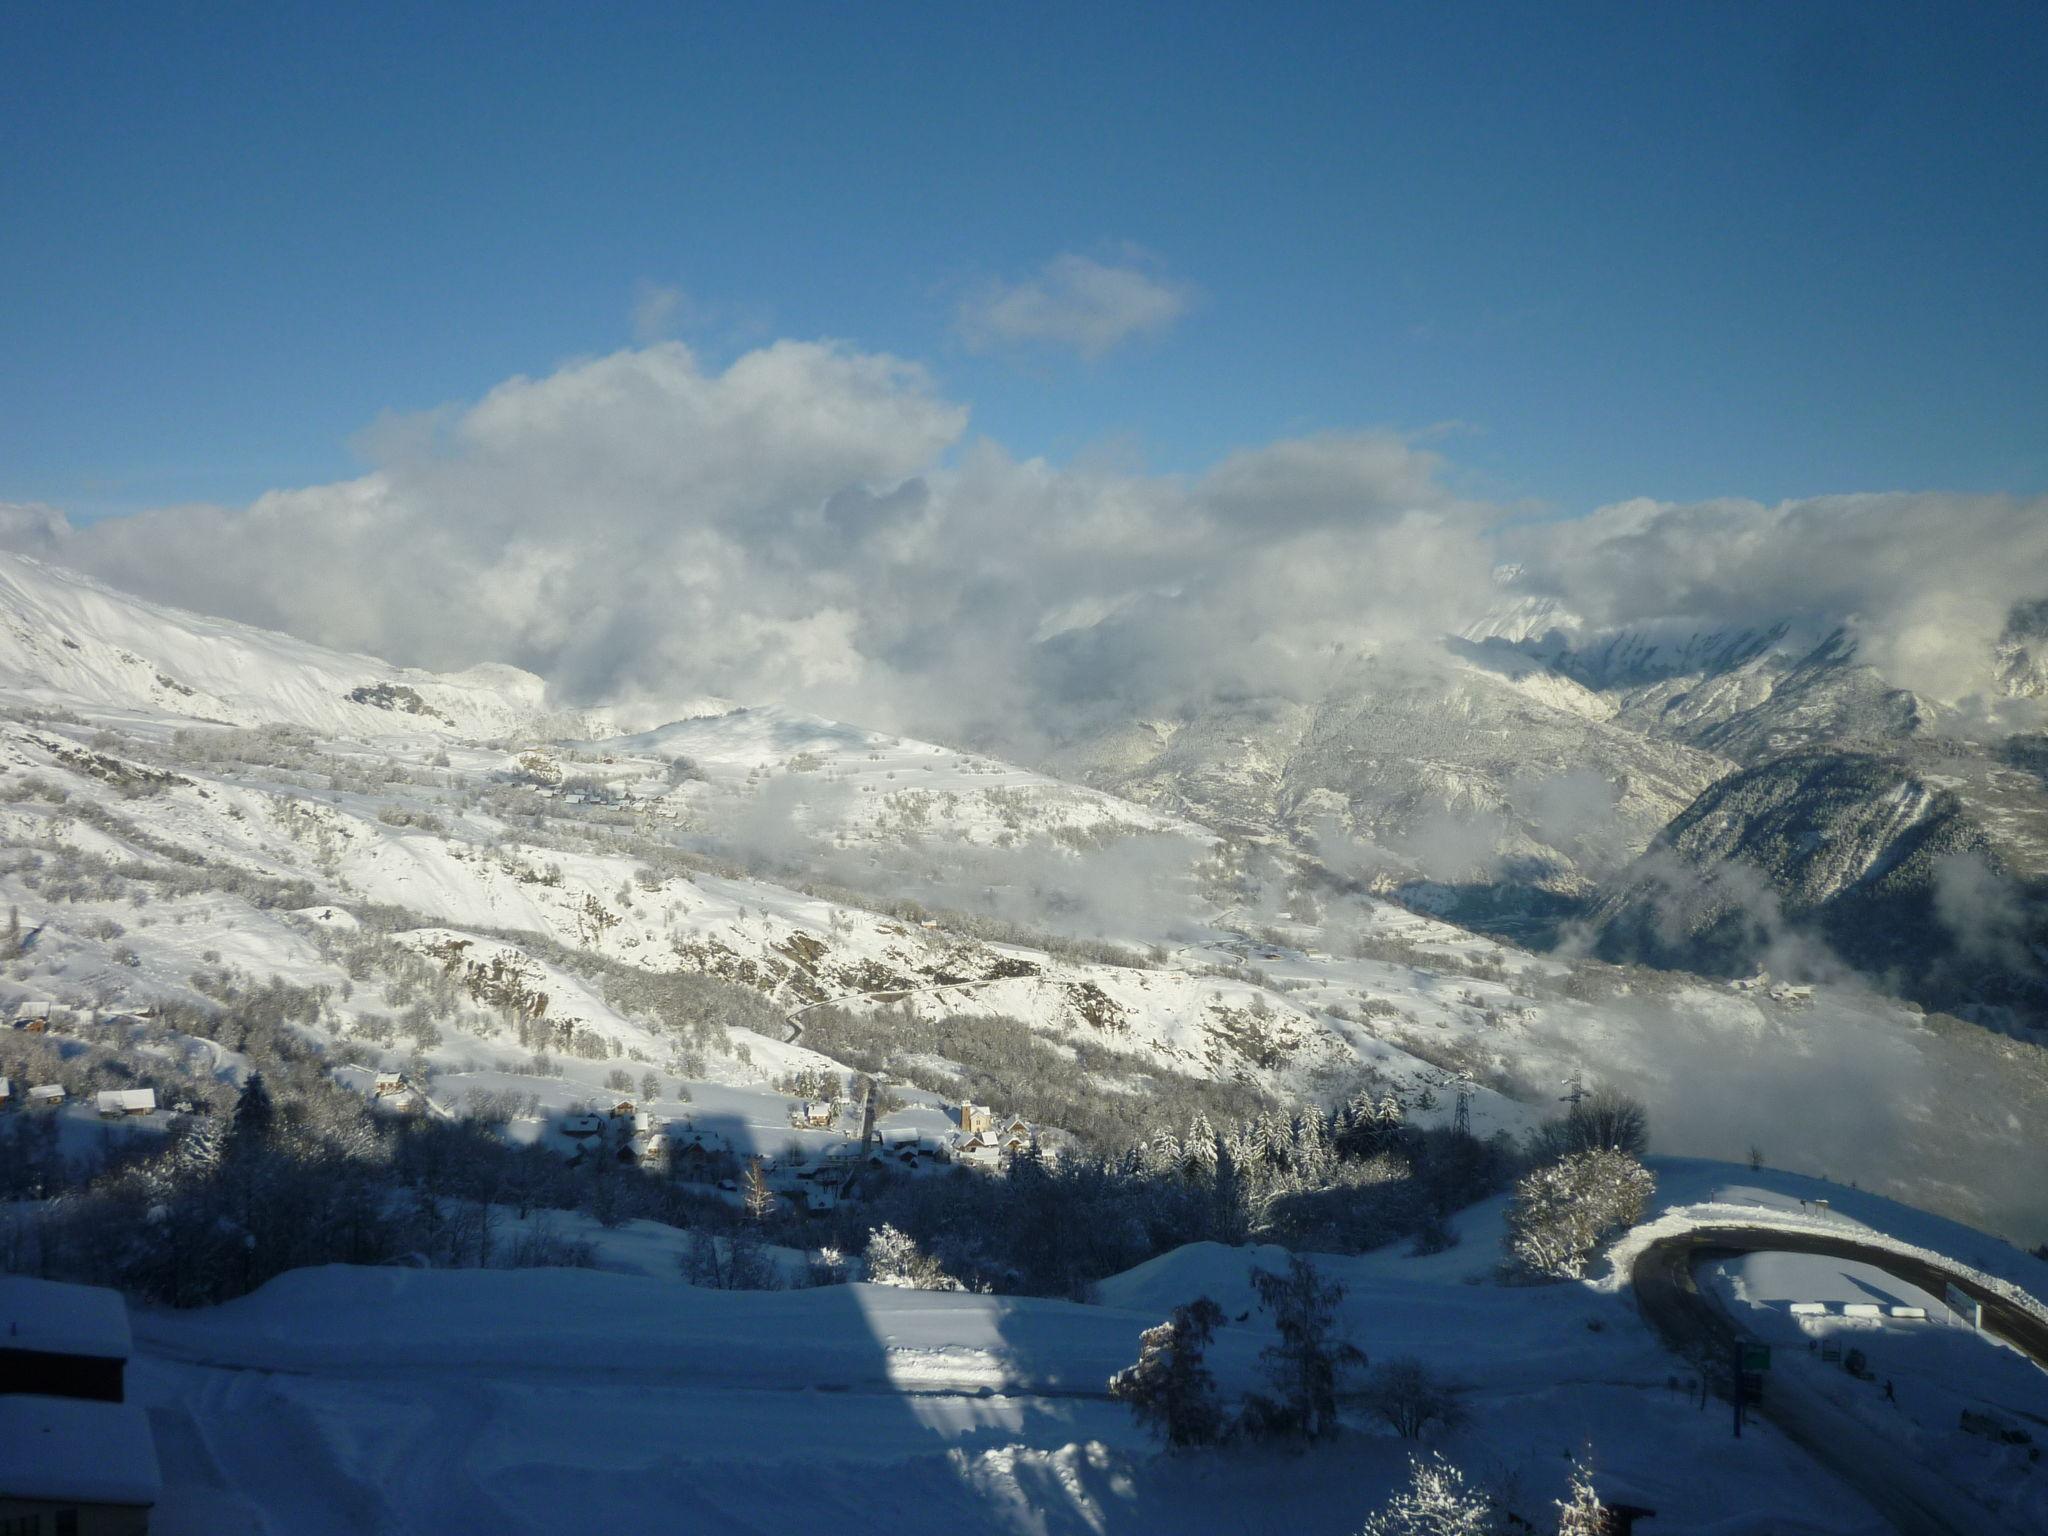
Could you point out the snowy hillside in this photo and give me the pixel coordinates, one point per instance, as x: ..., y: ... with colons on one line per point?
x: 1455, y: 771
x: 68, y: 640
x: 535, y: 918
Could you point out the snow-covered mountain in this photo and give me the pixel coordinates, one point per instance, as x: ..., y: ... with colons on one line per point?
x: 1460, y: 769
x: 66, y: 639
x: 502, y: 901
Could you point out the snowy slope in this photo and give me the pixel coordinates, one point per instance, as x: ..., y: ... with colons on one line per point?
x: 786, y: 857
x: 410, y: 1401
x: 67, y: 640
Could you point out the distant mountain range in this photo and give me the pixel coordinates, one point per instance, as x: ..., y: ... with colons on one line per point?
x: 1707, y: 798
x: 191, y: 809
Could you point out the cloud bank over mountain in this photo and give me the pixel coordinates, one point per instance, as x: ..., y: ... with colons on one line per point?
x: 817, y: 525
x: 1926, y: 582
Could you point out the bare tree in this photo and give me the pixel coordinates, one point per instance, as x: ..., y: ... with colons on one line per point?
x: 1604, y: 1121
x: 760, y: 1198
x: 1409, y: 1398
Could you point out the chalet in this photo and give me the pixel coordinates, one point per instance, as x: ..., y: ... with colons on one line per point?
x: 35, y: 1024
x: 73, y: 1466
x: 388, y: 1083
x: 45, y: 1096
x: 74, y: 1457
x: 62, y: 1340
x: 623, y: 1110
x: 581, y: 1126
x: 692, y: 1151
x: 815, y: 1114
x: 116, y: 1102
x: 6, y: 1093
x: 983, y: 1148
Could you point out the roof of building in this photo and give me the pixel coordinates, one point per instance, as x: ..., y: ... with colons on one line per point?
x: 122, y: 1100
x: 61, y: 1319
x: 69, y: 1450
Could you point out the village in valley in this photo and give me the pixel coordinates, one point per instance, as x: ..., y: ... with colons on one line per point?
x: 839, y: 1134
x: 833, y: 1145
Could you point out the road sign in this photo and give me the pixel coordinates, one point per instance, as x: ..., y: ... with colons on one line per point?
x: 1756, y: 1357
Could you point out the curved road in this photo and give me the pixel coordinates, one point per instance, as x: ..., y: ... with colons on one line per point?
x: 1916, y: 1502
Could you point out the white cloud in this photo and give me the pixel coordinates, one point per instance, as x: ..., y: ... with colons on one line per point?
x: 32, y: 527
x: 811, y: 524
x: 801, y: 527
x: 657, y: 310
x: 1924, y: 581
x: 1075, y: 303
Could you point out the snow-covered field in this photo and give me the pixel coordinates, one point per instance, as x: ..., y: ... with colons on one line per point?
x: 404, y: 1400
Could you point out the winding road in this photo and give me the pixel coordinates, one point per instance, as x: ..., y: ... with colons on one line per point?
x: 1916, y: 1501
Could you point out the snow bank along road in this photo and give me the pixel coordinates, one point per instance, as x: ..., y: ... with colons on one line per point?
x: 1916, y: 1501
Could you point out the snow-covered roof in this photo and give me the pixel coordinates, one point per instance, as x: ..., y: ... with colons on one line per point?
x: 68, y: 1450
x: 61, y: 1319
x: 50, y: 1091
x: 121, y: 1101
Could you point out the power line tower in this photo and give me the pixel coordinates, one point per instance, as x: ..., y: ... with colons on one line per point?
x: 1575, y: 1089
x: 1461, y: 1117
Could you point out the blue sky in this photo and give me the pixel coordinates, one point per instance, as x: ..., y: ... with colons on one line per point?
x: 1609, y: 251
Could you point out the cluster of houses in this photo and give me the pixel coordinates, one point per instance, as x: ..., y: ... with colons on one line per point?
x: 112, y: 1103
x: 811, y: 1178
x: 1776, y: 991
x: 985, y: 1137
x: 618, y: 798
x: 75, y: 1456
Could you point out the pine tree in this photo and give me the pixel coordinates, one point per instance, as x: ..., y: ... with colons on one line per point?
x: 1312, y: 1155
x: 1582, y: 1513
x: 1274, y: 1140
x: 1310, y: 1357
x: 197, y: 1152
x: 1229, y: 1212
x: 1562, y: 1213
x: 255, y: 1118
x: 1170, y: 1389
x: 893, y: 1258
x: 1436, y: 1502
